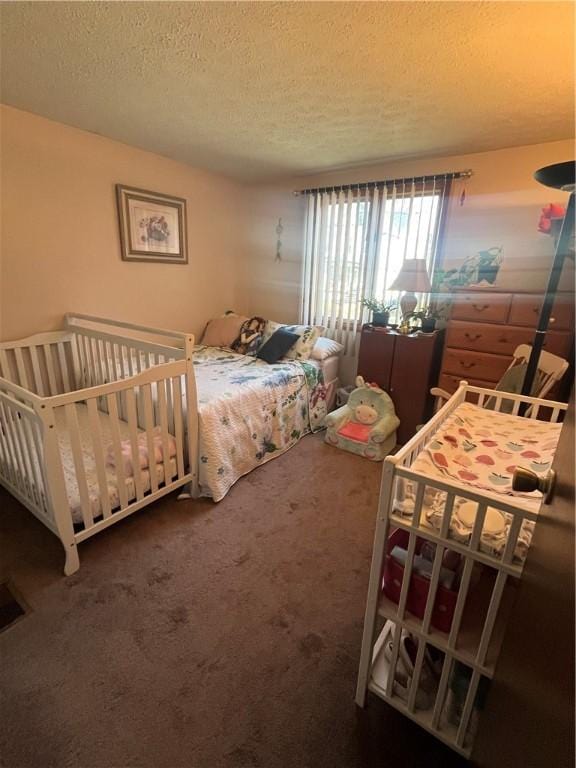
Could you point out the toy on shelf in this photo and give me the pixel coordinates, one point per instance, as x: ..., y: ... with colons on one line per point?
x: 366, y: 425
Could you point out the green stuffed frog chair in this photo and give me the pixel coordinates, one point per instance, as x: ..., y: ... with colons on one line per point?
x: 366, y: 425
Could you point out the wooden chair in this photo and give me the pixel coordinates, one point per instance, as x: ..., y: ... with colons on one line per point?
x: 551, y: 369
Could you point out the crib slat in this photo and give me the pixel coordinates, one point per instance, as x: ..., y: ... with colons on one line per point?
x: 76, y: 372
x: 15, y: 458
x: 535, y: 410
x: 555, y: 415
x: 7, y: 450
x: 467, y: 710
x: 63, y: 366
x: 164, y: 430
x: 478, y: 526
x: 512, y: 539
x: 433, y: 588
x: 78, y: 456
x: 36, y: 460
x: 149, y: 426
x: 460, y: 602
x: 116, y: 445
x: 516, y: 407
x: 441, y: 694
x: 96, y: 435
x: 38, y: 383
x: 133, y: 428
x: 5, y: 371
x: 19, y: 422
x: 178, y: 430
x: 416, y: 675
x: 491, y: 615
x: 22, y: 375
x: 50, y: 368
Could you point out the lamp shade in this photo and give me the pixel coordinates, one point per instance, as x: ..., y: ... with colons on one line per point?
x: 413, y: 276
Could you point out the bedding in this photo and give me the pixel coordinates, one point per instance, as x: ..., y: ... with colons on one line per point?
x: 223, y: 331
x: 250, y: 412
x: 480, y: 449
x: 303, y: 348
x: 90, y: 463
x: 325, y: 348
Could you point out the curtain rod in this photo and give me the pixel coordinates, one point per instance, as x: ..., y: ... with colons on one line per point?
x: 386, y: 182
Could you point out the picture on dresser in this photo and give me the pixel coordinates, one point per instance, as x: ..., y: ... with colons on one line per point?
x: 152, y: 226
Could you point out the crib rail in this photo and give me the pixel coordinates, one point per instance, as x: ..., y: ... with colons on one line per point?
x: 43, y: 364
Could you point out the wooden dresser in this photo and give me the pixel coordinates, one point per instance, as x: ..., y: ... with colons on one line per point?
x: 406, y: 366
x: 485, y: 327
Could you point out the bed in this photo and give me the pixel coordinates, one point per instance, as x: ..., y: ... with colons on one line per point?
x: 103, y: 418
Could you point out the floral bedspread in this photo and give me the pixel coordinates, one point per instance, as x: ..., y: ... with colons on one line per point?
x: 250, y: 412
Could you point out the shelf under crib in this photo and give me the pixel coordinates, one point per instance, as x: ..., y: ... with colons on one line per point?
x: 466, y: 644
x: 430, y: 719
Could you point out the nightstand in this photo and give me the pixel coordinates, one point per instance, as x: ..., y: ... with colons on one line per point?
x: 406, y: 366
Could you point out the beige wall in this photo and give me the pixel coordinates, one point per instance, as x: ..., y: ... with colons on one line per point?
x: 501, y: 208
x: 60, y: 244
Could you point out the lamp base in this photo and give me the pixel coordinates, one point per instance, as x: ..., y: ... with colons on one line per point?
x: 408, y: 304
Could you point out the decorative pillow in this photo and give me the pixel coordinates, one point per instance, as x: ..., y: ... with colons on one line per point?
x: 325, y: 348
x: 304, y: 346
x: 277, y: 345
x: 249, y: 340
x: 223, y: 331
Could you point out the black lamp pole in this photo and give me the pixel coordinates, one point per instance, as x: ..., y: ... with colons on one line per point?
x: 560, y: 176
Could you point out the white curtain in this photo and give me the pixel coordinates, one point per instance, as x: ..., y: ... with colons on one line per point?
x: 355, y: 241
x: 341, y: 239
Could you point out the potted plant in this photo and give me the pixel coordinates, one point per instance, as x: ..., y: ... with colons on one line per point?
x: 380, y: 311
x: 427, y: 318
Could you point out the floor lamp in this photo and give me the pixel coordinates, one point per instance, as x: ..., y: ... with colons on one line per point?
x: 559, y: 176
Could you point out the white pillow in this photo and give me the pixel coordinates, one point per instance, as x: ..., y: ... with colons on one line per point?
x: 325, y: 348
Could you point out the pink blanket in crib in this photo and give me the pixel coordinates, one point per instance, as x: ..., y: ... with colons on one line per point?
x: 143, y: 452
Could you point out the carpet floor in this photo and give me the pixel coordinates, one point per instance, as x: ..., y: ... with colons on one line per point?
x: 201, y: 635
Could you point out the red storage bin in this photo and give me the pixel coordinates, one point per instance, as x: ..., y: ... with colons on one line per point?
x: 445, y: 601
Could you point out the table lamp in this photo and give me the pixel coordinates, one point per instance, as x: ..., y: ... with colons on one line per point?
x: 413, y: 276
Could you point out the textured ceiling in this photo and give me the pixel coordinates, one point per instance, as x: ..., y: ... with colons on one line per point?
x: 256, y: 89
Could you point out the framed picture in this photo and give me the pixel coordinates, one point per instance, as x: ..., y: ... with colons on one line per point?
x: 152, y: 226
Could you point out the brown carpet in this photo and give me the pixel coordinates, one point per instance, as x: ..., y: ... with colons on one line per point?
x: 205, y: 636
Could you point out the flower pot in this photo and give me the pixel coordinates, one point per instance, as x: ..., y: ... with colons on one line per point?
x: 428, y: 325
x: 380, y: 319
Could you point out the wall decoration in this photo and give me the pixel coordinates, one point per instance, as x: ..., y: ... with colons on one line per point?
x: 152, y: 226
x: 279, y: 230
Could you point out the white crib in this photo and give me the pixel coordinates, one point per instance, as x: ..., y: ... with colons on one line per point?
x: 474, y: 637
x: 69, y: 399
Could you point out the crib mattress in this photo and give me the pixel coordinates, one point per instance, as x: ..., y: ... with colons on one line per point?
x: 90, y: 464
x: 480, y: 449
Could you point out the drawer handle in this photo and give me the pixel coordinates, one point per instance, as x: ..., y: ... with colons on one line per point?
x: 473, y: 337
x: 467, y: 366
x: 480, y: 307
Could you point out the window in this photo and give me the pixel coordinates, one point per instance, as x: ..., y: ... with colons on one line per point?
x: 356, y: 242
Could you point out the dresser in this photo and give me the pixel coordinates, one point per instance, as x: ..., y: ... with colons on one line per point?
x: 406, y: 366
x: 485, y: 327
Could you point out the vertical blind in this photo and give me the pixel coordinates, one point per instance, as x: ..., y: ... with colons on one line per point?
x: 356, y: 240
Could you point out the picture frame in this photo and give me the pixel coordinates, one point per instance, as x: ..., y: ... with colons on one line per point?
x: 152, y: 226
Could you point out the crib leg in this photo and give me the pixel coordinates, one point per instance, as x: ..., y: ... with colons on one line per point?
x: 72, y: 560
x: 187, y: 492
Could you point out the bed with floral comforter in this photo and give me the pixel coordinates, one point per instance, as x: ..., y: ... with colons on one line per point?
x: 251, y: 412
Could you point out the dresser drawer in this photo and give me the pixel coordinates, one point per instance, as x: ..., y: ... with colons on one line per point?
x: 451, y: 383
x: 503, y: 340
x: 469, y: 365
x: 481, y: 307
x: 526, y: 310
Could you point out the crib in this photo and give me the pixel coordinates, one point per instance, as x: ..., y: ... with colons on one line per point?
x: 72, y: 402
x: 460, y: 633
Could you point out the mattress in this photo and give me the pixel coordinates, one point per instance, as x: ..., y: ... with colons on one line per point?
x: 90, y: 464
x: 480, y: 449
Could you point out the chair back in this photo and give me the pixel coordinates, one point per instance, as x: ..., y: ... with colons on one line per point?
x: 551, y: 368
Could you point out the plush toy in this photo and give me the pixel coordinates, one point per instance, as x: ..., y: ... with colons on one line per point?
x: 366, y: 425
